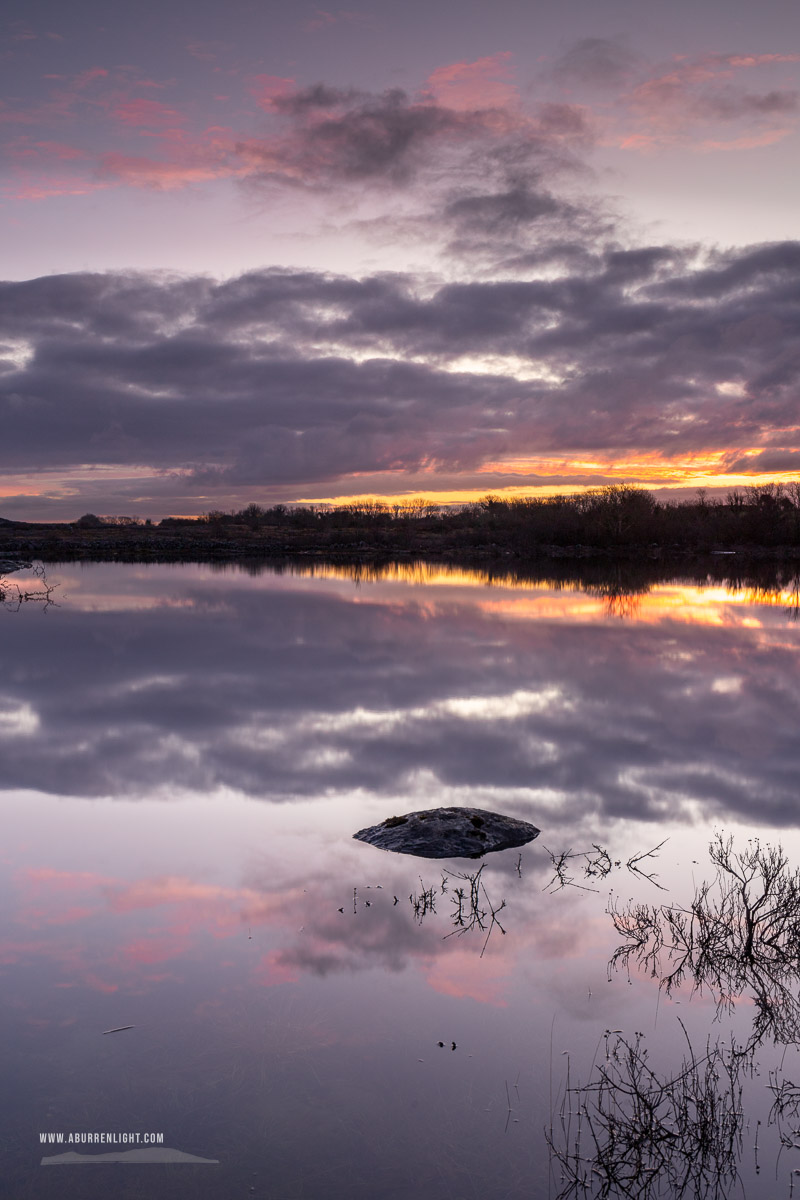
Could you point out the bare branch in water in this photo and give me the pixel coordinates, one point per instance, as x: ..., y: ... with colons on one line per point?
x: 423, y: 902
x: 13, y: 594
x: 633, y: 864
x: 740, y: 935
x: 630, y: 1132
x: 472, y: 906
x: 597, y: 864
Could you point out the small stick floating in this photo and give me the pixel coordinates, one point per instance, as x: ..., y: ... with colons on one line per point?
x: 118, y: 1029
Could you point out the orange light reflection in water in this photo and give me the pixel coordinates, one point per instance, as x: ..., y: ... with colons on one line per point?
x: 550, y: 599
x: 561, y: 600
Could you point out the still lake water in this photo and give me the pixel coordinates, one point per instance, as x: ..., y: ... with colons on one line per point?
x: 186, y: 753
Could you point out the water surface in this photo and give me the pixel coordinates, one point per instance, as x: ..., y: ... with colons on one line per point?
x: 186, y: 752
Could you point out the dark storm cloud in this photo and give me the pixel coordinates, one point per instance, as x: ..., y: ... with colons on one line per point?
x: 297, y: 376
x: 207, y: 680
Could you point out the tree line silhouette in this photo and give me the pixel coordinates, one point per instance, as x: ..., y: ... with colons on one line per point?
x: 617, y: 515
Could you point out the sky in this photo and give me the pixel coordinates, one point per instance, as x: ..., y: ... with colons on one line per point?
x: 289, y: 254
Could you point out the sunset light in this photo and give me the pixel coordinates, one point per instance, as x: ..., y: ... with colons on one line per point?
x: 321, y: 256
x: 400, y: 590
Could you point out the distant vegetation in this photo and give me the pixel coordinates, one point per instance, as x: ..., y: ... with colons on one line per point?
x: 617, y: 521
x: 619, y: 515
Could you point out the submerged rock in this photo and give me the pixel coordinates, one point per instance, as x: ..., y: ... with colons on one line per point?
x: 448, y: 833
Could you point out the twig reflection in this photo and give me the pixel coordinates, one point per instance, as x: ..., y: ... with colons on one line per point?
x: 740, y: 935
x: 472, y: 906
x: 597, y: 864
x: 13, y: 595
x: 630, y: 1132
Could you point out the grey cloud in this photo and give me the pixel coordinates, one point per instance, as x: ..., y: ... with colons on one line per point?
x: 506, y: 210
x: 732, y: 105
x: 515, y: 222
x: 465, y: 166
x: 563, y: 120
x: 318, y: 96
x: 777, y: 264
x: 299, y: 377
x: 597, y: 62
x: 480, y: 183
x: 362, y: 137
x: 767, y: 460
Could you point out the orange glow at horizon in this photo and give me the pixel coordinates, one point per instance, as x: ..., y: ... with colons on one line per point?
x: 706, y: 470
x: 647, y: 470
x: 522, y: 492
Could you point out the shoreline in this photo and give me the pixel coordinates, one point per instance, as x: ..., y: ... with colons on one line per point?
x: 205, y: 543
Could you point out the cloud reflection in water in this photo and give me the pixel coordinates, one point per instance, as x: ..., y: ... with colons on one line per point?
x: 286, y: 688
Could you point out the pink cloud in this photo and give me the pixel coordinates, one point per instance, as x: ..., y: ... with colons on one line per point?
x: 191, y: 163
x: 671, y: 107
x: 205, y: 51
x: 88, y: 76
x: 759, y: 60
x: 265, y: 88
x: 16, y: 116
x: 14, y: 952
x: 154, y: 949
x: 38, y: 878
x: 45, y: 894
x: 329, y: 136
x: 45, y: 189
x: 324, y: 20
x: 463, y: 973
x: 484, y: 83
x: 147, y: 114
x: 23, y: 149
x: 187, y: 911
x: 60, y: 151
x: 746, y: 142
x: 272, y: 972
x: 64, y: 916
x: 62, y: 101
x: 151, y: 893
x: 99, y: 985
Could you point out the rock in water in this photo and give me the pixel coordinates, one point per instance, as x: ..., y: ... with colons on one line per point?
x: 449, y: 833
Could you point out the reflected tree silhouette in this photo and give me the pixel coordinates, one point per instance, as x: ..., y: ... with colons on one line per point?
x: 630, y: 1132
x: 739, y: 936
x: 620, y: 598
x: 786, y: 595
x: 785, y: 1114
x: 13, y: 594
